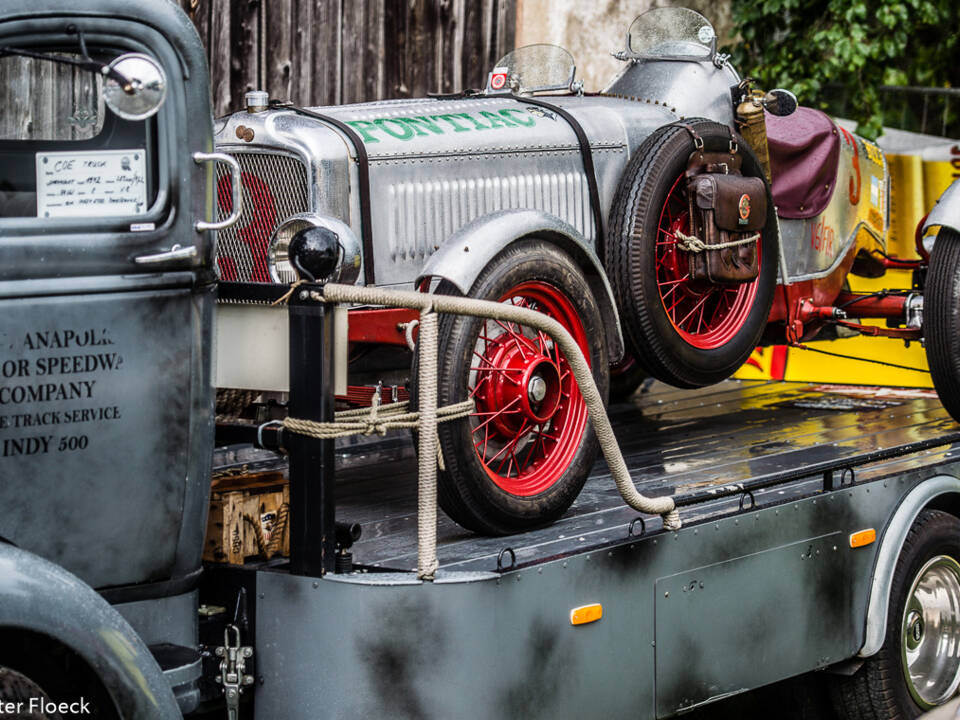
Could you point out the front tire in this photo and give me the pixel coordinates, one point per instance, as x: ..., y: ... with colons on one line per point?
x: 685, y: 332
x: 918, y: 667
x: 942, y: 322
x: 521, y: 459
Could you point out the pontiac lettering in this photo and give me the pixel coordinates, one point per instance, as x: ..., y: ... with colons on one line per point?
x: 407, y: 128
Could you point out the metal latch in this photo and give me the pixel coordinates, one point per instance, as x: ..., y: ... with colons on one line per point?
x: 233, y: 675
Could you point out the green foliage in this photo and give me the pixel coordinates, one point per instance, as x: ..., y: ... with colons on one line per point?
x: 812, y: 47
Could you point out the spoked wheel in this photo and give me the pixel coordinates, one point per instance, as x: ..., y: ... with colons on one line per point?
x: 522, y: 457
x: 918, y: 667
x: 686, y: 332
x: 941, y: 299
x: 705, y: 315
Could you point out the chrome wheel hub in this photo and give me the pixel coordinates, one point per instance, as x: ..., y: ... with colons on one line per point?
x: 537, y: 389
x: 930, y: 633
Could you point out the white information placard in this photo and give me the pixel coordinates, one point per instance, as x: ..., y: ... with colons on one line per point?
x: 94, y: 183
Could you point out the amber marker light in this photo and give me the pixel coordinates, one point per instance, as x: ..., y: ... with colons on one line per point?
x: 863, y: 538
x: 586, y: 614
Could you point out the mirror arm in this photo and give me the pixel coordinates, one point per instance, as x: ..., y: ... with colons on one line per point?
x: 85, y: 64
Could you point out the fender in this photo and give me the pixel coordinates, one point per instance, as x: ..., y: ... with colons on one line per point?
x: 893, y: 538
x: 464, y: 255
x: 42, y: 597
x: 946, y: 212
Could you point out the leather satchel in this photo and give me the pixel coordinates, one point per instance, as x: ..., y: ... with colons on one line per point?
x: 726, y: 208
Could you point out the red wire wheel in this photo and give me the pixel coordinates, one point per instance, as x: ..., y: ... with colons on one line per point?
x: 522, y: 457
x: 530, y: 416
x: 685, y: 332
x: 704, y: 314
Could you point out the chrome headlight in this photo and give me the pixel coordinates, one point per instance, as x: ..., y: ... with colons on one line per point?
x: 278, y: 251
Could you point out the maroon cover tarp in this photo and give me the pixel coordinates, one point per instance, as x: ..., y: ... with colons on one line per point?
x: 804, y: 153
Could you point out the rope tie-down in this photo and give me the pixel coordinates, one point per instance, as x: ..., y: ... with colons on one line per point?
x: 388, y: 417
x: 691, y: 243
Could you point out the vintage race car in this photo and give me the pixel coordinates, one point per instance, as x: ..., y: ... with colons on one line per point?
x: 641, y: 217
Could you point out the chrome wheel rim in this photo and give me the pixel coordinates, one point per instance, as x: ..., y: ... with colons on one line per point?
x: 930, y: 633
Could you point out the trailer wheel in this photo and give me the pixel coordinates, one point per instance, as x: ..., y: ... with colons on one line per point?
x: 18, y: 688
x: 685, y: 332
x: 942, y: 322
x: 918, y: 667
x: 521, y: 459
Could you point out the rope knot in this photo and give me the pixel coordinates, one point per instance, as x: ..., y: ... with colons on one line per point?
x: 691, y: 243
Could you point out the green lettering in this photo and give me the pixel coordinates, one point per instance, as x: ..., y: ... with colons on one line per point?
x: 523, y: 119
x: 477, y: 124
x: 405, y: 133
x: 416, y: 122
x: 365, y: 127
x: 496, y: 120
x: 457, y: 127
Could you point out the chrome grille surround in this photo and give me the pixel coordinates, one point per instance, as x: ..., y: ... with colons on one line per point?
x: 274, y: 188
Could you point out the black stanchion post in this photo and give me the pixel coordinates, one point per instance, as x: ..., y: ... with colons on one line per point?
x: 314, y: 254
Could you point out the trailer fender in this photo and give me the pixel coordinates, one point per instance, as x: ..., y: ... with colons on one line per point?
x: 468, y: 251
x: 41, y: 597
x: 946, y: 213
x: 893, y: 538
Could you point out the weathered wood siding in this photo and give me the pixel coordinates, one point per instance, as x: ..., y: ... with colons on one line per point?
x: 323, y: 52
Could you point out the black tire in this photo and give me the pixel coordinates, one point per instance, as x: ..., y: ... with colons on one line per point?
x: 941, y: 298
x: 625, y: 377
x: 631, y: 260
x: 477, y: 492
x: 20, y: 690
x: 879, y: 690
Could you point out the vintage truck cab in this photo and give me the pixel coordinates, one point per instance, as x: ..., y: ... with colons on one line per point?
x: 106, y: 295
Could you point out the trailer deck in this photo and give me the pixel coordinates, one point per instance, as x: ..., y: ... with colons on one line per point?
x: 703, y: 447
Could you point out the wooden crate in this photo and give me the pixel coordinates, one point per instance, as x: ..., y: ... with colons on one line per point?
x: 239, y: 506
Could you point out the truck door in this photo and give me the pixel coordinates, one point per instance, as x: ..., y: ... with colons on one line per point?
x: 106, y: 294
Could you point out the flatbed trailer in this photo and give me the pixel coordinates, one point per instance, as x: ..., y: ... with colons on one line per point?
x: 760, y: 584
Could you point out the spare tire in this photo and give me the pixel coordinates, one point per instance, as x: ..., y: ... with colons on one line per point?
x: 686, y: 332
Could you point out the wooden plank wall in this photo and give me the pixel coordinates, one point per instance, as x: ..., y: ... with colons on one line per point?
x: 324, y: 52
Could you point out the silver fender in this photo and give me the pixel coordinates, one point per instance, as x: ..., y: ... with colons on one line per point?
x: 467, y: 252
x: 893, y: 539
x: 41, y: 597
x: 946, y: 212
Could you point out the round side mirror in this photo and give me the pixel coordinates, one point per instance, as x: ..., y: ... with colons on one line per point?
x: 144, y: 91
x: 780, y: 102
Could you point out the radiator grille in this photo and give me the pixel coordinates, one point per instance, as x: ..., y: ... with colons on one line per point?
x: 274, y: 188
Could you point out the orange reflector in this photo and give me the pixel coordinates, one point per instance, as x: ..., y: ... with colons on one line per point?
x: 586, y: 614
x: 863, y: 538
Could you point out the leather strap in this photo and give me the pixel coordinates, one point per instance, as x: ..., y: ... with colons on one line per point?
x: 363, y: 175
x: 588, y: 168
